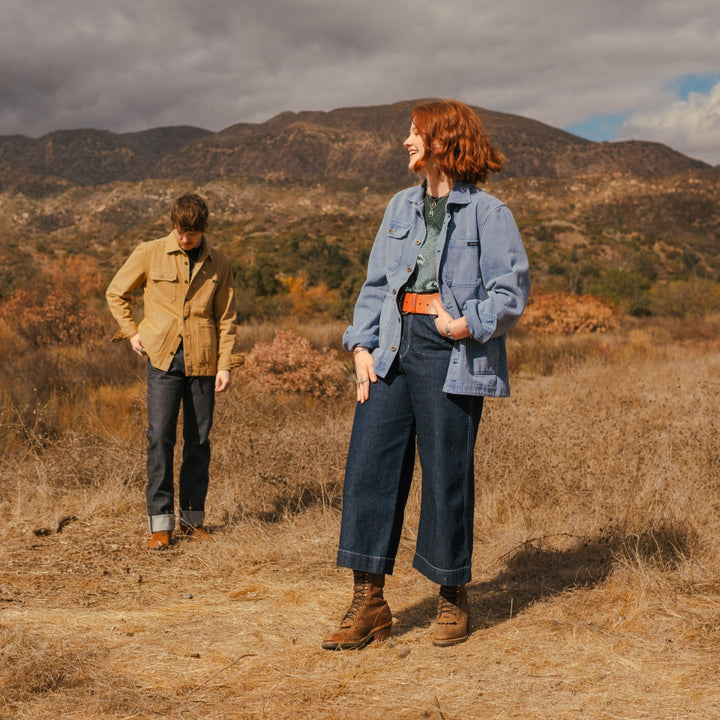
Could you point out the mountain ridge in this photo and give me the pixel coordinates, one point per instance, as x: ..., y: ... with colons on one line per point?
x: 301, y: 195
x: 362, y: 144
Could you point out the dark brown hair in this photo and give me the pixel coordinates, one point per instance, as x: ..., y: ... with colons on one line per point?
x: 189, y: 213
x: 454, y: 133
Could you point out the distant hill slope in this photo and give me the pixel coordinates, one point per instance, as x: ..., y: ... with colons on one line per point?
x: 361, y: 144
x: 90, y: 157
x: 301, y: 196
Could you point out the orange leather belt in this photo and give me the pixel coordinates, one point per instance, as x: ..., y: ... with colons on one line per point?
x: 419, y: 303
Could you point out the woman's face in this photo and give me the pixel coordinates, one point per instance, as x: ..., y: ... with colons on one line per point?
x: 415, y: 146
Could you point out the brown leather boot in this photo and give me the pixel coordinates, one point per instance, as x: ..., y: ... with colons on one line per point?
x: 196, y: 533
x: 159, y: 540
x: 368, y: 617
x: 453, y: 616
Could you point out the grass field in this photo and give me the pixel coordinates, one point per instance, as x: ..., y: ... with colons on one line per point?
x: 596, y: 589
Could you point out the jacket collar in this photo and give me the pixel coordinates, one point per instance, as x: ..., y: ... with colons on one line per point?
x: 172, y: 247
x: 459, y: 195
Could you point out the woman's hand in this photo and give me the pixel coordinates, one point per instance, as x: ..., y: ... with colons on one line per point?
x: 444, y: 322
x: 364, y: 373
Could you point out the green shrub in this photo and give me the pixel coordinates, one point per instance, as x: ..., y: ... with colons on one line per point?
x: 684, y: 298
x: 624, y: 289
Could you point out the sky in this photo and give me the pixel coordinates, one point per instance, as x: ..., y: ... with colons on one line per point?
x: 601, y: 69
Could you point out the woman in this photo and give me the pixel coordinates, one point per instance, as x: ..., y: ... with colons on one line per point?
x: 447, y: 278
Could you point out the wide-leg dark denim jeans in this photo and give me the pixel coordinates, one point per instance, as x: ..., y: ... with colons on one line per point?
x: 166, y: 392
x: 405, y: 407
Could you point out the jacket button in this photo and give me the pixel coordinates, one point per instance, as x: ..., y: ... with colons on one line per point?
x: 394, y: 291
x: 392, y: 347
x: 409, y: 269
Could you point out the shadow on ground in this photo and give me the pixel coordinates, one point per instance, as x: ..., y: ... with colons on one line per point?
x: 546, y: 566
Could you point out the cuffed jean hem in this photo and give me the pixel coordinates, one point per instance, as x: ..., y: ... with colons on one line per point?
x: 365, y: 563
x: 460, y: 576
x: 161, y: 523
x: 192, y: 518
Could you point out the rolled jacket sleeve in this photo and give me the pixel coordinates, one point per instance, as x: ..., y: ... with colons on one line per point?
x: 505, y: 274
x: 365, y: 330
x: 225, y: 316
x: 119, y: 294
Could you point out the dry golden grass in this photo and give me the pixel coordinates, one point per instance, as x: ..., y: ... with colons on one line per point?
x: 596, y: 590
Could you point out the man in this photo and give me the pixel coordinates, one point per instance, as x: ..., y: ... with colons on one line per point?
x: 187, y: 334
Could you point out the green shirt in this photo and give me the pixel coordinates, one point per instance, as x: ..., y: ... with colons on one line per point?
x: 424, y: 277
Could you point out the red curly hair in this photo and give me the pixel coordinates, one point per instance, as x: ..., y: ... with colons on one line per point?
x: 454, y: 133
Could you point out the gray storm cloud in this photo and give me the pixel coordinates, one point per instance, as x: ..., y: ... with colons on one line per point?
x: 128, y: 65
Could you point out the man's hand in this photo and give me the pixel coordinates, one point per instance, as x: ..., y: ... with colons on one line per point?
x: 222, y: 380
x: 136, y: 344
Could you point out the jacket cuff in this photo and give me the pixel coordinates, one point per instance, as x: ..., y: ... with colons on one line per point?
x: 351, y: 339
x: 235, y: 360
x: 121, y: 335
x: 481, y: 327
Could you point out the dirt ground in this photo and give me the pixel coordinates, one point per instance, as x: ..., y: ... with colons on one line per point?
x: 95, y: 626
x: 595, y: 591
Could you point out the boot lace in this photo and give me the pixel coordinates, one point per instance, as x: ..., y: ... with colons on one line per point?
x: 359, y: 594
x: 448, y: 610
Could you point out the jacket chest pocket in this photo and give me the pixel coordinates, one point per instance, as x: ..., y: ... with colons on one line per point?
x: 165, y: 282
x: 397, y: 234
x: 462, y: 262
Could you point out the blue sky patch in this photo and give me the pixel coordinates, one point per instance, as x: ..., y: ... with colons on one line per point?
x: 700, y: 83
x: 598, y: 127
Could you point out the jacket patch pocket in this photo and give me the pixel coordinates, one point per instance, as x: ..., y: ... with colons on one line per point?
x: 482, y: 359
x: 462, y: 265
x: 154, y: 331
x: 206, y: 343
x: 396, y: 231
x: 166, y: 281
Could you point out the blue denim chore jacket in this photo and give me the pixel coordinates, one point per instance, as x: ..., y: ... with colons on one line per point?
x: 482, y: 274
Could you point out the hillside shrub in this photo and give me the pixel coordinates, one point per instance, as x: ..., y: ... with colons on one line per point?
x: 685, y: 298
x: 564, y: 314
x: 290, y: 364
x: 56, y: 307
x: 624, y: 289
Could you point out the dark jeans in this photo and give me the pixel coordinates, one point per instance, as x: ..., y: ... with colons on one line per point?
x: 406, y: 407
x: 166, y: 391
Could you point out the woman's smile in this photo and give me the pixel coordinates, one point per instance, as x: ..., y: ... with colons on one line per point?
x: 415, y: 146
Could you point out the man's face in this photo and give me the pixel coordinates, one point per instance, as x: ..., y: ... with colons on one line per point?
x: 188, y: 240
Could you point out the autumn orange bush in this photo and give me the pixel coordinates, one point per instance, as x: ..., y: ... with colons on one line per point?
x: 58, y: 306
x: 562, y: 313
x: 290, y: 363
x: 309, y: 301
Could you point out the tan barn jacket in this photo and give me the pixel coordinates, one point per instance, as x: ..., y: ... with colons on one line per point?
x: 199, y: 312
